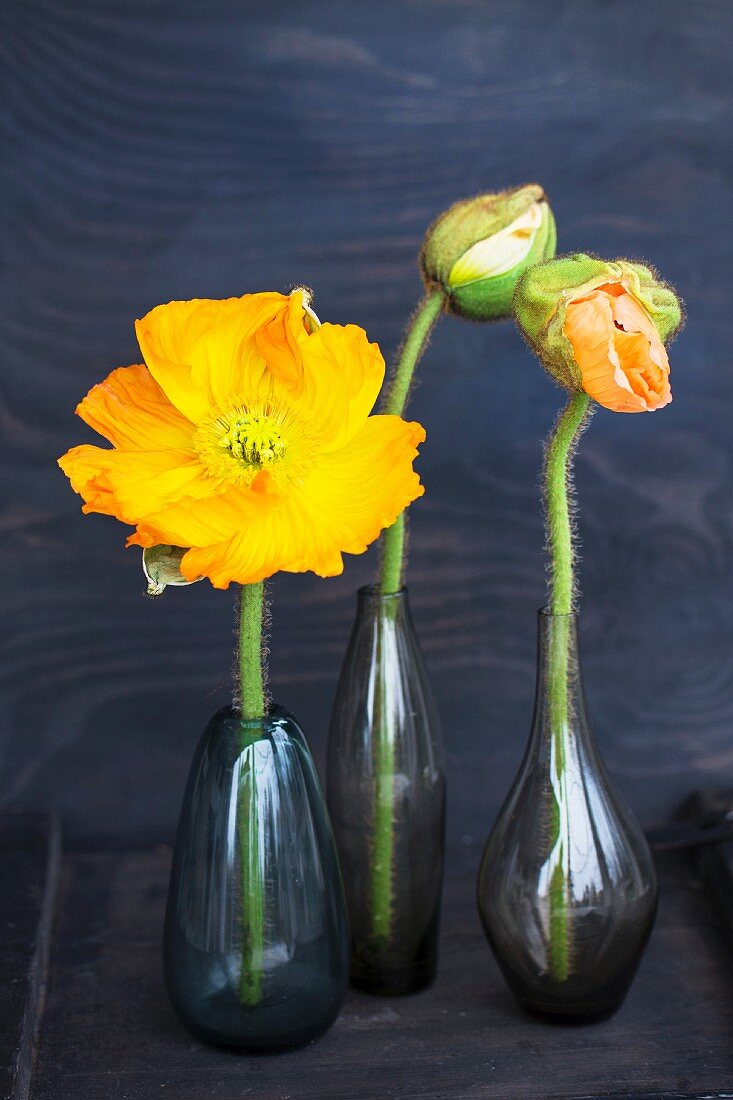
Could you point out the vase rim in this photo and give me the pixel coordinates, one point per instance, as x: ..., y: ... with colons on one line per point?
x: 373, y: 592
x: 545, y: 613
x: 274, y: 711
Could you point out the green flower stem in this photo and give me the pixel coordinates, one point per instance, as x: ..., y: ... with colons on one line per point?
x: 392, y: 556
x: 558, y: 462
x: 251, y: 668
x: 252, y: 709
x: 417, y: 337
x: 418, y: 332
x: 391, y: 570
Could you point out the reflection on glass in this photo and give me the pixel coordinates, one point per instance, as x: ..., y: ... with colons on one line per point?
x: 567, y: 890
x: 256, y: 944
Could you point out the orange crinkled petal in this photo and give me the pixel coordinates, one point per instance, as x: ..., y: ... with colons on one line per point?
x: 342, y: 377
x: 131, y: 410
x: 204, y: 353
x: 622, y: 360
x: 132, y: 484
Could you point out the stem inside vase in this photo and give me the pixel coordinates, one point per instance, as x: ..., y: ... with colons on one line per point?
x: 252, y: 708
x: 557, y: 684
x: 382, y: 870
x: 253, y: 897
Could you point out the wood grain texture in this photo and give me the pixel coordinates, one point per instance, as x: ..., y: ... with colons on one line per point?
x: 110, y: 1034
x: 30, y: 856
x: 154, y: 150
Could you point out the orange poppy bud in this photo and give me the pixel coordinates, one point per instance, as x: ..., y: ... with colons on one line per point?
x: 601, y: 327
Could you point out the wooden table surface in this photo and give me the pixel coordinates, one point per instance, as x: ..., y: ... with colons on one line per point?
x: 108, y: 1032
x: 155, y: 150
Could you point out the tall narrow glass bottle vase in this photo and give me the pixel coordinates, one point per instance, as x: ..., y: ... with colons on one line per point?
x: 567, y: 890
x: 386, y: 796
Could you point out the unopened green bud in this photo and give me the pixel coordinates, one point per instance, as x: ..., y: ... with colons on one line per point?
x: 545, y: 291
x: 477, y: 250
x: 162, y: 566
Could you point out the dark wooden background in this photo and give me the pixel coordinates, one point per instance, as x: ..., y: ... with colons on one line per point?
x: 168, y: 150
x: 157, y: 150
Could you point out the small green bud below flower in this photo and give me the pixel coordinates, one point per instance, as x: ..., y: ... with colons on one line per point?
x: 162, y: 566
x: 477, y: 250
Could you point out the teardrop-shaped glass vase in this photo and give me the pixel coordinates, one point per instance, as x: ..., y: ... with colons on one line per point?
x: 256, y: 943
x: 386, y: 796
x: 567, y: 890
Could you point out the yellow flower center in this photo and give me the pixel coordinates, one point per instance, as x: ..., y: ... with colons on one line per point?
x: 253, y: 437
x: 254, y: 440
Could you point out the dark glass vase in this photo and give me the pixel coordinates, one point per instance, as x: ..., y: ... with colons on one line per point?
x: 567, y: 890
x: 386, y: 796
x: 256, y: 944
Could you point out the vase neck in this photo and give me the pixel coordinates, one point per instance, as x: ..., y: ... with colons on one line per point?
x: 391, y: 607
x: 560, y: 711
x: 554, y: 632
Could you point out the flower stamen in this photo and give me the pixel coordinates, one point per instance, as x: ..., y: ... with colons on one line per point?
x: 254, y: 440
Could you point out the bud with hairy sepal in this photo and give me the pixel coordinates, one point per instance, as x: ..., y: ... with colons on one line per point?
x: 477, y: 250
x: 601, y: 326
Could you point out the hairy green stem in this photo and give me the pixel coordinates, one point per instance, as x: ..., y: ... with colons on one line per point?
x: 558, y: 463
x: 252, y: 709
x: 417, y: 337
x: 392, y: 556
x: 251, y: 667
x: 391, y: 572
x: 560, y: 450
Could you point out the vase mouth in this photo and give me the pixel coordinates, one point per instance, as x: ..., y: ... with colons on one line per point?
x: 273, y: 712
x: 545, y: 615
x: 373, y: 592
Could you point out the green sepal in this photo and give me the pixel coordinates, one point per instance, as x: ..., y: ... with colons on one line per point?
x: 657, y: 297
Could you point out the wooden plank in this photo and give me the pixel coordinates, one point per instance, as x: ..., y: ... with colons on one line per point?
x: 29, y: 865
x: 714, y: 862
x: 109, y: 1033
x: 154, y: 151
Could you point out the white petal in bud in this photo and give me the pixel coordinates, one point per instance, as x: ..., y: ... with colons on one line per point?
x: 162, y: 566
x: 500, y: 253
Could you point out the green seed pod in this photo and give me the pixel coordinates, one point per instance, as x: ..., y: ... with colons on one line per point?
x: 478, y: 249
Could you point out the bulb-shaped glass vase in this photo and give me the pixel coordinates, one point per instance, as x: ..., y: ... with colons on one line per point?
x: 256, y: 943
x: 386, y: 797
x: 567, y: 890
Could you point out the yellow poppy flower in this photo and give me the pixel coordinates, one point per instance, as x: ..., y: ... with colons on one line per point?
x: 247, y: 437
